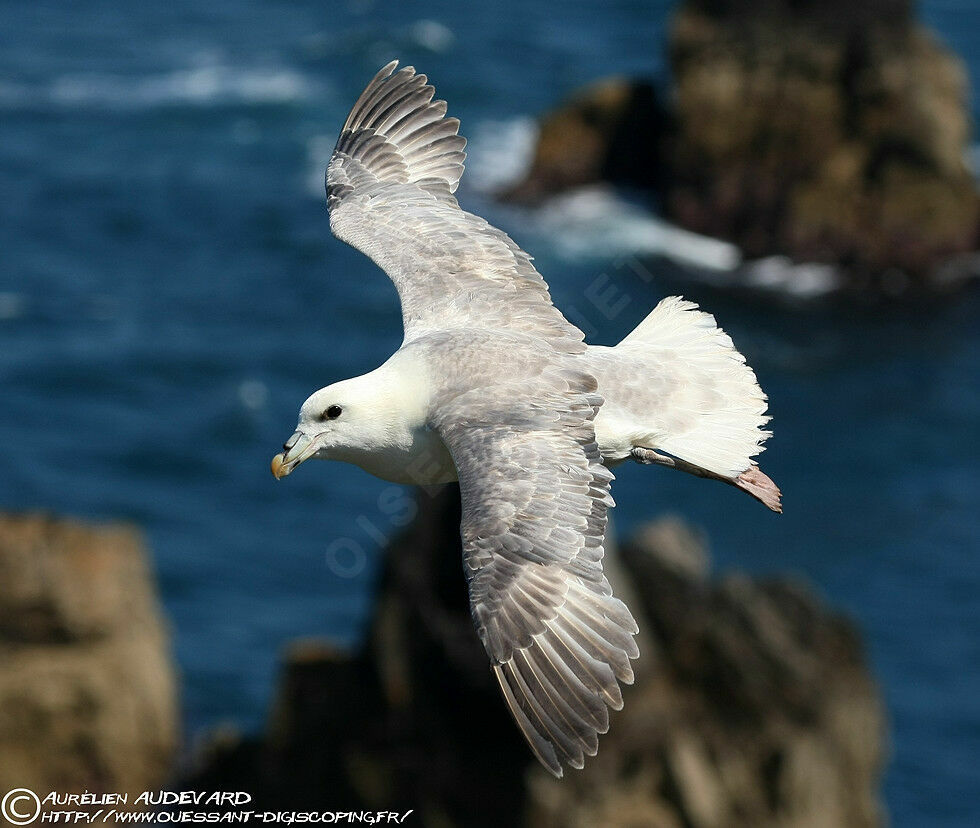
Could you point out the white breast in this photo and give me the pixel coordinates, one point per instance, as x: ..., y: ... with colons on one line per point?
x: 425, y: 461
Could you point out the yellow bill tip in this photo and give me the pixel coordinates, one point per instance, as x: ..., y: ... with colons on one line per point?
x: 277, y: 466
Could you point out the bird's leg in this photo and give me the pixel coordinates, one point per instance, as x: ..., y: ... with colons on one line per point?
x: 649, y: 457
x: 752, y: 480
x: 761, y: 487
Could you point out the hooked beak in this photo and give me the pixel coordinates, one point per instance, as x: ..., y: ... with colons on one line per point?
x: 297, y: 448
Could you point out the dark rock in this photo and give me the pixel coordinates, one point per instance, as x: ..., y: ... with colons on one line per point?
x: 87, y: 684
x: 821, y: 145
x: 838, y: 16
x: 826, y: 132
x: 607, y: 132
x: 753, y: 706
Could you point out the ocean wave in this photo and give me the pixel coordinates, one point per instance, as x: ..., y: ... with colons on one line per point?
x: 499, y: 153
x: 432, y: 35
x: 12, y: 305
x: 601, y: 221
x: 204, y: 86
x: 595, y: 221
x: 598, y: 222
x: 777, y: 274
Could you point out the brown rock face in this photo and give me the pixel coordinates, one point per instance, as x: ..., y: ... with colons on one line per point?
x: 609, y: 131
x: 760, y: 710
x: 823, y: 131
x: 826, y: 143
x: 752, y: 706
x: 838, y: 16
x: 87, y: 686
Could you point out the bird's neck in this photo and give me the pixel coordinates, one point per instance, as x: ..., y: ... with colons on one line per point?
x: 400, y: 392
x: 400, y: 446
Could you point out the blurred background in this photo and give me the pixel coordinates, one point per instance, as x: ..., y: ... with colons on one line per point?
x: 170, y: 293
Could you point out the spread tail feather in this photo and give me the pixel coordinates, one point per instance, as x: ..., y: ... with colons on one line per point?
x: 712, y: 411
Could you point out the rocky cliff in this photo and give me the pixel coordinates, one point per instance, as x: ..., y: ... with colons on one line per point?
x: 87, y: 683
x: 753, y: 706
x: 828, y: 132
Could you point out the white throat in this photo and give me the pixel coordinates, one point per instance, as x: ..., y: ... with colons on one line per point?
x: 391, y: 407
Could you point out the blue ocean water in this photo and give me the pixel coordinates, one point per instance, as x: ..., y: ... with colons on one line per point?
x: 170, y: 293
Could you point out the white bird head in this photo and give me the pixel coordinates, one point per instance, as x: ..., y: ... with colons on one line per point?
x: 338, y: 422
x: 360, y: 420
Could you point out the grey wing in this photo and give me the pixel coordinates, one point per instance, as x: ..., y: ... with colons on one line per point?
x: 390, y: 185
x: 535, y: 496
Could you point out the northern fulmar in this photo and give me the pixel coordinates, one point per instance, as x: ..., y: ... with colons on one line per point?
x: 492, y: 387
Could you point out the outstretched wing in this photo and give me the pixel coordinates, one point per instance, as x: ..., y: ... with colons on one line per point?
x: 535, y: 496
x: 390, y: 185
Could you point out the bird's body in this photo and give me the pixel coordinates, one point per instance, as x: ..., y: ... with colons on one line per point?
x: 494, y: 388
x: 413, y: 384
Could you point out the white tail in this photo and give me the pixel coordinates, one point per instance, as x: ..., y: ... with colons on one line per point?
x: 714, y: 410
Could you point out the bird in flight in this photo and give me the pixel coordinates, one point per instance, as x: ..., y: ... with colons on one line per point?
x: 492, y: 387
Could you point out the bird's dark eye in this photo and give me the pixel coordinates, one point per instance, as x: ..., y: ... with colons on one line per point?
x: 332, y: 413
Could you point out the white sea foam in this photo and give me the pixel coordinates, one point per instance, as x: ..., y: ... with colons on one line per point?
x: 253, y: 394
x: 12, y: 305
x: 499, y: 152
x: 432, y: 34
x: 204, y: 85
x: 596, y: 221
x: 600, y: 221
x: 804, y: 280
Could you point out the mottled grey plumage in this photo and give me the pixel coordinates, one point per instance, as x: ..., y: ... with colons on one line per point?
x: 535, y: 496
x: 494, y: 387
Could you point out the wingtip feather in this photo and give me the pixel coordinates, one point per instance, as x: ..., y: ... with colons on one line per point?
x: 396, y: 111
